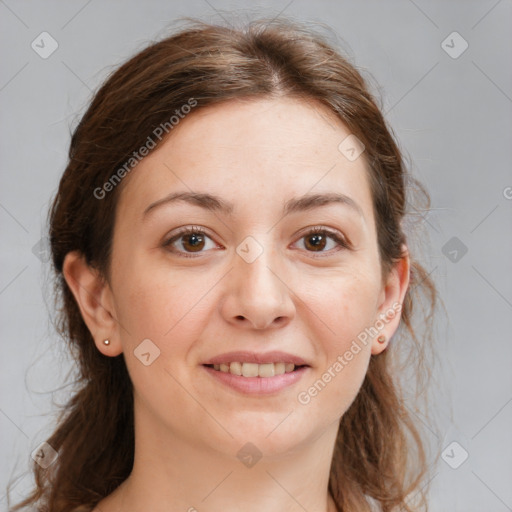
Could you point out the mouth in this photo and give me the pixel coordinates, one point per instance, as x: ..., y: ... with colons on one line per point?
x: 265, y: 370
x: 251, y: 384
x: 256, y: 373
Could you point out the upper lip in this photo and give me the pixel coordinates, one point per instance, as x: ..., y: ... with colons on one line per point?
x: 257, y: 357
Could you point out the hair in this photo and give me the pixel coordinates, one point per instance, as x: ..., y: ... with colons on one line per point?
x: 379, y: 455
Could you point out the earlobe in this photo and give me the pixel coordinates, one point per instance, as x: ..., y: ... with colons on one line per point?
x: 94, y: 298
x: 392, y: 298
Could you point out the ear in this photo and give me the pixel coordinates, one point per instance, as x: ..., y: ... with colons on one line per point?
x: 391, y: 300
x: 95, y: 301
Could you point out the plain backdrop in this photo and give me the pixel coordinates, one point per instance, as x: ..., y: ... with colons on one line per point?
x: 442, y: 69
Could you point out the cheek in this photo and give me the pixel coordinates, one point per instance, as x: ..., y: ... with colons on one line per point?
x: 348, y: 309
x: 346, y: 304
x: 162, y: 305
x: 171, y: 310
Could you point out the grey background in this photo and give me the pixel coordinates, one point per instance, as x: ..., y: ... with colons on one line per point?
x: 452, y: 117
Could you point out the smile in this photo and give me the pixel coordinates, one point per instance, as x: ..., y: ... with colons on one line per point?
x: 254, y: 369
x: 257, y: 378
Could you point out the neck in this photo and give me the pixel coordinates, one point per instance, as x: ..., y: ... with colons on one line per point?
x: 172, y: 473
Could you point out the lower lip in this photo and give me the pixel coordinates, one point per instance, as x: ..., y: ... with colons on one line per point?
x: 258, y: 385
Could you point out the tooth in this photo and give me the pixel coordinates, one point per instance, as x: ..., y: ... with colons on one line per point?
x: 236, y: 368
x: 279, y: 368
x: 250, y: 369
x: 254, y: 369
x: 266, y: 370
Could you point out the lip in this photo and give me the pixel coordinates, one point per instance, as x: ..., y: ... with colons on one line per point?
x: 257, y: 357
x: 257, y: 385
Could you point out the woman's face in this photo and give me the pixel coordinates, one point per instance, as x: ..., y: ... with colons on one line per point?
x: 265, y: 273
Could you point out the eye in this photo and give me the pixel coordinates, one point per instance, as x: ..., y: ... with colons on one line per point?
x: 194, y: 239
x: 189, y: 240
x: 319, y: 237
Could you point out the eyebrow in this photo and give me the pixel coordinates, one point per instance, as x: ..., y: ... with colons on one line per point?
x: 216, y: 204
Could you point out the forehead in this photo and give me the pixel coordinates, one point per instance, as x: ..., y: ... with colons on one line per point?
x: 251, y: 150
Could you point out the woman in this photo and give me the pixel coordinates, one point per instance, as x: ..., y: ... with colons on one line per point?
x: 229, y: 247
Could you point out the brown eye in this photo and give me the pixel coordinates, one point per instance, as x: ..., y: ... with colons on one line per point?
x: 189, y: 240
x: 195, y: 242
x: 319, y: 238
x: 316, y: 241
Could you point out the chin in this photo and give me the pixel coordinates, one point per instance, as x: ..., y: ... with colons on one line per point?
x: 271, y: 435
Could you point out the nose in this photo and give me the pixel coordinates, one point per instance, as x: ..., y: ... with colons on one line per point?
x: 257, y: 295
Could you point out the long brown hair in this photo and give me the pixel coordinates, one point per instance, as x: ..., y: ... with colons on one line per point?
x: 379, y: 454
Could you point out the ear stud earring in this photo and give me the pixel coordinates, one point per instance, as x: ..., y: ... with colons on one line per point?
x: 106, y: 342
x: 381, y: 339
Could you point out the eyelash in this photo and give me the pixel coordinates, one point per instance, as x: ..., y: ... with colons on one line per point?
x: 343, y: 243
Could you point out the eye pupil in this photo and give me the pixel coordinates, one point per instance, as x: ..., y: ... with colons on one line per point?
x: 195, y: 240
x: 318, y: 240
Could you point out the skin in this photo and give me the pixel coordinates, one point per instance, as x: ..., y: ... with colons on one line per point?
x: 257, y: 155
